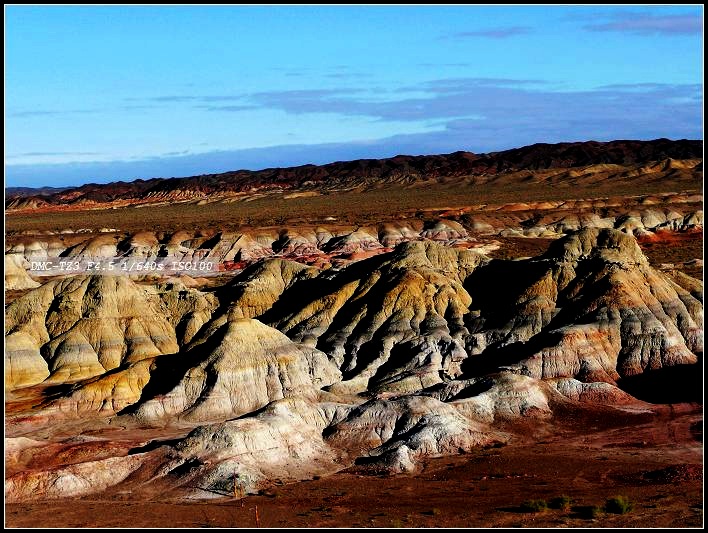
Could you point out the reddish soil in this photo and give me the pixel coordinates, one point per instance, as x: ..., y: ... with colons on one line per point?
x: 513, y: 247
x: 676, y: 248
x: 653, y: 460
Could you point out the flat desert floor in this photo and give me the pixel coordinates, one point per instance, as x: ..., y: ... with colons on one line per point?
x: 656, y: 462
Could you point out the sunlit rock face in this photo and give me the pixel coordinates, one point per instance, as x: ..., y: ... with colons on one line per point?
x: 81, y: 327
x: 590, y: 308
x: 289, y: 371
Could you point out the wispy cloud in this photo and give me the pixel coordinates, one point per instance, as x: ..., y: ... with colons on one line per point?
x: 187, y: 98
x: 492, y: 33
x: 209, y: 102
x: 445, y: 98
x: 450, y: 65
x: 649, y: 24
x: 463, y: 84
x: 228, y: 108
x: 340, y: 72
x: 633, y: 86
x: 172, y: 98
x: 477, y: 114
x: 50, y: 154
x: 221, y: 97
x: 650, y: 86
x: 49, y: 112
x: 347, y: 75
x: 486, y: 110
x: 525, y: 110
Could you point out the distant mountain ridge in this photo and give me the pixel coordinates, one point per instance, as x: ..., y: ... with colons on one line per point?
x: 401, y: 169
x: 32, y: 191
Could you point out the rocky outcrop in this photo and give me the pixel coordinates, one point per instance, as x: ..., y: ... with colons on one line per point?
x: 82, y: 327
x: 290, y: 371
x: 303, y: 243
x: 407, y: 306
x: 41, y: 249
x: 443, y: 230
x: 103, y: 395
x: 229, y: 247
x: 283, y: 441
x: 497, y: 397
x: 16, y: 276
x: 23, y: 363
x: 590, y: 308
x: 596, y: 393
x: 98, y: 247
x: 141, y: 244
x: 396, y: 434
x: 186, y: 309
x: 238, y: 369
x: 257, y: 288
x: 356, y: 241
x: 74, y: 480
x: 651, y: 218
x: 391, y: 234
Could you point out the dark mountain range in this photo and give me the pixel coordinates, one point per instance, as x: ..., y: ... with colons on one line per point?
x: 401, y: 169
x: 17, y: 192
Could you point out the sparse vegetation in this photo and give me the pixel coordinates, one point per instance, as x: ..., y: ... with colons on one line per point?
x: 534, y: 506
x: 619, y: 505
x: 562, y: 502
x: 362, y: 207
x: 594, y: 511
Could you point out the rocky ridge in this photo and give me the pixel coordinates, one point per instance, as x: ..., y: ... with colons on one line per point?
x: 653, y: 218
x: 290, y: 371
x: 569, y: 164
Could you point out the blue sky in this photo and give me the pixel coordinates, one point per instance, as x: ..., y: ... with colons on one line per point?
x: 106, y: 93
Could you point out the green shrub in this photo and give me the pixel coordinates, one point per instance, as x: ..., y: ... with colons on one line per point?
x: 561, y: 502
x: 619, y: 505
x: 594, y: 511
x: 534, y: 506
